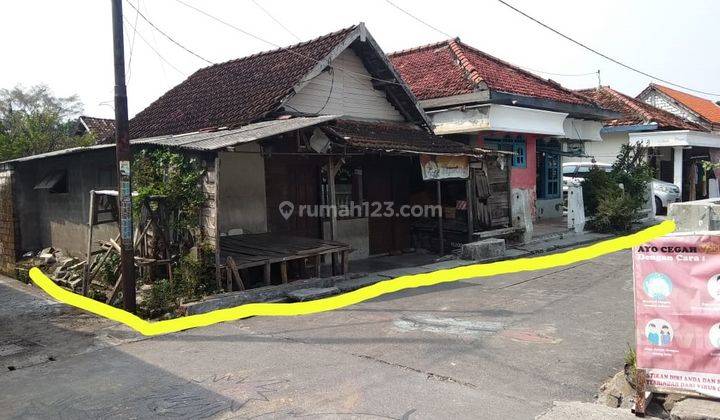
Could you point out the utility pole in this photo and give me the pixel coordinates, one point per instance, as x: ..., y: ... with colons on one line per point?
x: 123, y: 156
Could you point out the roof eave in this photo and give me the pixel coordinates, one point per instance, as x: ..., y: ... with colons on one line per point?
x: 634, y: 128
x: 479, y: 97
x: 590, y: 112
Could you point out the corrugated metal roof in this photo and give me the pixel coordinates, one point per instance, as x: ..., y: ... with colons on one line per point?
x: 205, y: 141
x: 208, y: 141
x: 62, y: 152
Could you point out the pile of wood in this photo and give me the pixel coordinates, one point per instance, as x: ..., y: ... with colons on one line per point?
x: 150, y: 244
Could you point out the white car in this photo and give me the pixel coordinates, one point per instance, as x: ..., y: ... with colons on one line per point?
x: 575, y: 172
x: 664, y: 193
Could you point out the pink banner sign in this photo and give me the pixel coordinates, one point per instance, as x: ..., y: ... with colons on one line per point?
x: 677, y: 313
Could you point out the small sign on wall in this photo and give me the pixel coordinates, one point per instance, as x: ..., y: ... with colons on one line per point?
x: 444, y: 167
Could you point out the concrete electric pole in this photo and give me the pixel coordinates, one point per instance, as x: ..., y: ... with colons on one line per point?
x: 124, y: 157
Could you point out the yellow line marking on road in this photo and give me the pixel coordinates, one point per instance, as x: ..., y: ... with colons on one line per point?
x: 350, y: 298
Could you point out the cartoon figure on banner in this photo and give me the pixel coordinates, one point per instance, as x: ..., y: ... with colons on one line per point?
x: 713, y: 286
x: 658, y: 286
x: 714, y: 335
x: 659, y: 332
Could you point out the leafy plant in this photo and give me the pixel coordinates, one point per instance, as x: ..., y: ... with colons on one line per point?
x: 615, y: 198
x: 193, y: 279
x: 177, y: 178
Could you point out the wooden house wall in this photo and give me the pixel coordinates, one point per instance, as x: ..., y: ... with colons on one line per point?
x: 350, y: 93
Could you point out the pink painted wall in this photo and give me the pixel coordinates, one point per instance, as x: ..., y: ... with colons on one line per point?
x: 524, y: 178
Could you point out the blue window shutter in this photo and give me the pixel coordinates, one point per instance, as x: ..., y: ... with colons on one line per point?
x: 520, y: 156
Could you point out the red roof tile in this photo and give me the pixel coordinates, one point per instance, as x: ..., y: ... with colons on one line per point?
x: 706, y: 108
x: 452, y: 68
x: 102, y: 128
x: 233, y: 93
x: 635, y: 111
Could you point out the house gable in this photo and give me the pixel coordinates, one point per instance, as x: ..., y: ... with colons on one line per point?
x: 256, y: 88
x: 659, y: 100
x: 345, y: 88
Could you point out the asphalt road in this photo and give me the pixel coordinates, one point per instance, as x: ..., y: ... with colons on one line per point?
x: 501, y: 347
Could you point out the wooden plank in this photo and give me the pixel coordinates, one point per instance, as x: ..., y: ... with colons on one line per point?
x: 266, y: 273
x: 115, y: 290
x: 283, y: 271
x: 235, y: 273
x: 91, y: 219
x: 345, y: 262
x: 335, y: 264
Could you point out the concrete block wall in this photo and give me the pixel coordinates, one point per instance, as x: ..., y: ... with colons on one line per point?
x: 8, y: 249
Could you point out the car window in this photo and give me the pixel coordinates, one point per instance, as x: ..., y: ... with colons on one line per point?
x: 569, y: 170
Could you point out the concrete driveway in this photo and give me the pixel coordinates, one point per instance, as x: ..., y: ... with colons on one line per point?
x: 501, y: 347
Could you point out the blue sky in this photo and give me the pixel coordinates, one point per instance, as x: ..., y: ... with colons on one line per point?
x: 67, y: 45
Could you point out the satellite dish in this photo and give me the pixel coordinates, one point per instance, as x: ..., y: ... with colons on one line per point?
x: 319, y: 142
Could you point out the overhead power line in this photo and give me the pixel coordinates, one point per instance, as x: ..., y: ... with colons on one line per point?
x: 275, y: 20
x: 171, y: 39
x: 418, y: 19
x: 132, y: 47
x: 605, y: 56
x: 152, y: 48
x: 258, y: 38
x: 436, y: 29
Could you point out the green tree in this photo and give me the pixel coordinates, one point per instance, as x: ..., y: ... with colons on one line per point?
x: 33, y: 121
x: 615, y: 199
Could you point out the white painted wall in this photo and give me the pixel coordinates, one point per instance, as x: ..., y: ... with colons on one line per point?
x: 241, y: 190
x: 605, y: 151
x: 350, y: 93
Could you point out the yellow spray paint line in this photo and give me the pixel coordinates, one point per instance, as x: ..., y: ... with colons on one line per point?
x: 350, y: 298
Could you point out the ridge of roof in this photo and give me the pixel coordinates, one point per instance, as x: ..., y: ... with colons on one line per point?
x: 473, y: 69
x: 235, y: 92
x: 470, y: 70
x: 705, y: 108
x: 635, y: 111
x: 421, y: 47
x: 521, y: 70
x: 283, y: 49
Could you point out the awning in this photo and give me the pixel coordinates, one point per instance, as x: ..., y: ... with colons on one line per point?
x: 677, y: 138
x: 396, y: 138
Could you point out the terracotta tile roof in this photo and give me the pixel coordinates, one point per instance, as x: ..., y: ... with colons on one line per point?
x: 233, y: 93
x: 706, y: 108
x: 393, y: 137
x: 635, y: 111
x: 452, y: 68
x: 102, y: 128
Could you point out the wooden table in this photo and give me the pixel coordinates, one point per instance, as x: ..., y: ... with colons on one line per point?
x: 240, y: 252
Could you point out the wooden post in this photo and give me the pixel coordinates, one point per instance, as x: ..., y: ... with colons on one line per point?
x: 470, y: 201
x: 318, y: 259
x: 440, y: 218
x: 283, y: 272
x: 218, y: 272
x: 91, y: 222
x: 334, y: 261
x: 332, y: 171
x: 345, y: 262
x: 266, y: 273
x: 642, y: 396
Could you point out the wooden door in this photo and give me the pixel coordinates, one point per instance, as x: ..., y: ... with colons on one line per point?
x: 295, y: 181
x: 387, y: 179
